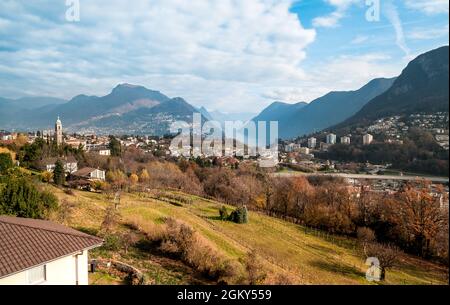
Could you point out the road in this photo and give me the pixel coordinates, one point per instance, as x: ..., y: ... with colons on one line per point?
x: 366, y: 177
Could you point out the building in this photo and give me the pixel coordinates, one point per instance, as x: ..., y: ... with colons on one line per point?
x: 331, y: 139
x: 58, y: 132
x: 367, y: 139
x: 104, y: 152
x: 346, y: 140
x: 37, y: 252
x: 70, y: 164
x: 312, y: 143
x: 90, y: 174
x: 304, y: 150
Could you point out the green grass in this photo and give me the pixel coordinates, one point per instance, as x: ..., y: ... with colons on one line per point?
x: 309, y: 257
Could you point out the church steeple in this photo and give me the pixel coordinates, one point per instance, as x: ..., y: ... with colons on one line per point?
x: 58, y: 132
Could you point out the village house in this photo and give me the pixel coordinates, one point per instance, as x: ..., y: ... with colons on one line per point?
x: 38, y: 252
x: 90, y: 174
x: 70, y: 164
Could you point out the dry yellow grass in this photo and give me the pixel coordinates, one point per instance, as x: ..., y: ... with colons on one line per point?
x: 284, y: 247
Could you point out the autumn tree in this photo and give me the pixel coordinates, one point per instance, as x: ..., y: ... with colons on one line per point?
x: 386, y: 254
x: 129, y: 239
x: 419, y: 216
x: 134, y: 179
x: 110, y: 220
x: 144, y: 176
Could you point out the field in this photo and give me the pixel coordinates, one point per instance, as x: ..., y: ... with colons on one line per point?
x: 307, y: 256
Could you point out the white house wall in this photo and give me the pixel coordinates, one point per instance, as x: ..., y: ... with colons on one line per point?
x: 58, y: 272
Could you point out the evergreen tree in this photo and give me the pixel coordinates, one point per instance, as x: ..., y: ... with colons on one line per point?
x: 5, y: 162
x: 20, y: 197
x: 115, y: 147
x: 59, y: 175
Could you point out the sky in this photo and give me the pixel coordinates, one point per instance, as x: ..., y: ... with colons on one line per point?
x: 227, y: 55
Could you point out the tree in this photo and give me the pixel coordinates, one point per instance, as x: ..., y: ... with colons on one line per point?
x: 386, y: 255
x: 223, y: 213
x: 110, y: 220
x: 134, y: 179
x: 129, y: 239
x: 59, y: 173
x: 240, y: 215
x: 46, y: 176
x: 5, y: 162
x: 20, y: 197
x: 115, y: 147
x: 419, y: 216
x: 144, y: 176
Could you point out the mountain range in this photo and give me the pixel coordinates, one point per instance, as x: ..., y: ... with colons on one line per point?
x: 130, y: 109
x: 421, y: 88
x: 300, y: 119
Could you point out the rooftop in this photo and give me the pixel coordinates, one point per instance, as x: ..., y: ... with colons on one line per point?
x: 26, y: 243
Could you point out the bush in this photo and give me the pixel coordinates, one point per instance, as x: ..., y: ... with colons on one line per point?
x: 20, y: 197
x: 5, y: 162
x: 366, y: 235
x: 256, y: 274
x: 183, y: 241
x: 223, y: 212
x: 240, y: 215
x: 112, y: 243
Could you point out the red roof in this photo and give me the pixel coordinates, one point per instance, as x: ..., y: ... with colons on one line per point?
x: 26, y: 243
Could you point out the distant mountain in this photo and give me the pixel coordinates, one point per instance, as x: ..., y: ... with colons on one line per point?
x: 154, y: 120
x: 421, y: 88
x: 37, y: 102
x: 329, y: 110
x: 127, y: 109
x: 278, y: 111
x: 205, y: 113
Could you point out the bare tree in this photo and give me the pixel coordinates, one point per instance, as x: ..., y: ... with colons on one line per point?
x: 386, y: 254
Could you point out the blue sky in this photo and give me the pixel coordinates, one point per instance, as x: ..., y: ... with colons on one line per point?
x: 228, y: 55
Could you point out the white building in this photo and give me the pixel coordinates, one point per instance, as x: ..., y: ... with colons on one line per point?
x: 331, y: 138
x: 312, y: 143
x: 367, y: 139
x: 91, y: 174
x: 37, y: 252
x: 104, y: 152
x: 70, y: 164
x: 304, y: 150
x: 346, y: 140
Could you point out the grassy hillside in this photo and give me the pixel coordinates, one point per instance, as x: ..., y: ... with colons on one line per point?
x: 308, y: 257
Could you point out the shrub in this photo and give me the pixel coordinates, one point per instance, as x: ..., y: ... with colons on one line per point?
x: 240, y: 215
x: 5, y: 162
x: 255, y: 270
x: 366, y: 235
x: 112, y: 242
x: 223, y: 213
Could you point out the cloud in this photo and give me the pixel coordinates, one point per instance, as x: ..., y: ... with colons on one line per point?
x: 332, y: 20
x: 176, y: 46
x: 391, y: 13
x: 285, y: 94
x: 427, y: 33
x: 429, y: 7
x: 359, y: 39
